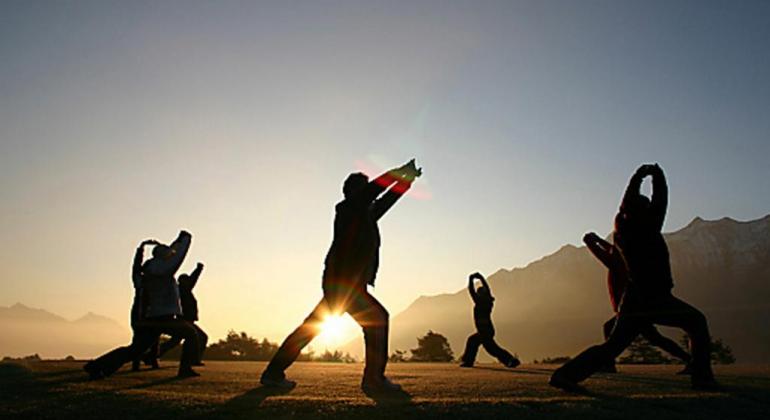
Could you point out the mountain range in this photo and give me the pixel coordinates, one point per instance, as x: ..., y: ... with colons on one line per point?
x: 556, y: 305
x: 25, y: 331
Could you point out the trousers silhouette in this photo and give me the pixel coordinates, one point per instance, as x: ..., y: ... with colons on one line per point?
x: 654, y: 337
x: 488, y: 341
x: 364, y: 309
x: 144, y: 338
x: 631, y: 321
x: 174, y: 341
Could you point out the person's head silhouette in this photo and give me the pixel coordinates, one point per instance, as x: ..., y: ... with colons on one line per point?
x: 484, y: 292
x: 162, y: 251
x: 354, y: 183
x: 635, y: 210
x: 185, y: 281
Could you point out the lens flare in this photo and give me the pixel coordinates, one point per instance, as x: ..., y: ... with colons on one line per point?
x: 334, y: 329
x: 420, y: 189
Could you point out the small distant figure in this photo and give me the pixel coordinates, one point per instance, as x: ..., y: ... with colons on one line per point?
x: 162, y: 313
x: 189, y: 313
x: 647, y: 299
x: 351, y: 265
x: 617, y: 280
x: 485, y: 331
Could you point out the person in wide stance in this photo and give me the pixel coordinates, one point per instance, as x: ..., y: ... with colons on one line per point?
x: 647, y: 298
x: 351, y: 264
x: 617, y: 280
x: 162, y: 313
x: 485, y: 332
x: 189, y: 313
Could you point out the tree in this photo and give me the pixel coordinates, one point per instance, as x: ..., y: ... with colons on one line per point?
x: 641, y: 352
x: 336, y: 357
x: 399, y: 356
x: 433, y: 347
x: 721, y: 353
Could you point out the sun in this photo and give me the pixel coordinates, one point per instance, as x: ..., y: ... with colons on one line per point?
x: 334, y: 329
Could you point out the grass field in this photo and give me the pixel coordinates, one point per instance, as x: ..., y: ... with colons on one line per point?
x: 227, y: 390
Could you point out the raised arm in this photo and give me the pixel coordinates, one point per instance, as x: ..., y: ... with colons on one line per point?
x: 599, y: 247
x: 634, y: 185
x: 195, y: 275
x: 659, y: 199
x: 472, y: 287
x: 406, y: 173
x: 136, y: 267
x: 180, y: 246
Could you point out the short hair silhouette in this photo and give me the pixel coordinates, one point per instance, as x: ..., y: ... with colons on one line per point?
x: 161, y: 251
x: 354, y: 183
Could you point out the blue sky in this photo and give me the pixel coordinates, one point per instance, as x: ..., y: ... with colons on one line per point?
x: 240, y: 120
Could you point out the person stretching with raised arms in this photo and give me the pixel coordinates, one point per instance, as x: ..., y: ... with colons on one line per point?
x: 485, y: 332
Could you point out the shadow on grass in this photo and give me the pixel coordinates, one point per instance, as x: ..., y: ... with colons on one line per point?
x: 398, y: 398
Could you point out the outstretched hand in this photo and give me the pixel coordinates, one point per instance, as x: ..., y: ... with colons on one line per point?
x: 410, y: 171
x: 590, y: 237
x: 648, y: 169
x: 199, y: 266
x: 476, y: 276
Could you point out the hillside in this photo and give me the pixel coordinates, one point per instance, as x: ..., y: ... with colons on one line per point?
x: 556, y: 305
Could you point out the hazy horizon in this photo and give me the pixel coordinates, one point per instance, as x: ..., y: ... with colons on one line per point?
x: 239, y: 122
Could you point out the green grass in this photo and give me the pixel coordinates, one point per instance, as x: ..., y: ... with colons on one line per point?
x: 227, y: 390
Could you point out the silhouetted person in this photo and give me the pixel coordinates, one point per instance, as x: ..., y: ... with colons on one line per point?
x: 485, y: 332
x: 189, y: 314
x: 162, y: 316
x: 647, y: 298
x: 617, y: 281
x: 350, y: 265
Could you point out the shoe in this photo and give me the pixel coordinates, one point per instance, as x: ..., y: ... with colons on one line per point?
x: 559, y: 381
x: 379, y: 385
x: 94, y: 373
x: 611, y: 368
x: 466, y: 365
x: 273, y: 382
x: 513, y: 363
x: 187, y: 373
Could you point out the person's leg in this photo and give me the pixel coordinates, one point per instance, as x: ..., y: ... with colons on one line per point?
x: 607, y: 331
x: 294, y: 343
x: 151, y: 356
x: 668, y: 345
x: 501, y: 354
x: 471, y: 350
x: 673, y: 312
x: 184, y: 330
x: 168, y: 345
x: 203, y: 340
x: 373, y: 318
x: 110, y: 362
x: 592, y: 359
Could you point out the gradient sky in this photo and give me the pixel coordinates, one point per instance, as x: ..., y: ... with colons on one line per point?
x: 239, y: 121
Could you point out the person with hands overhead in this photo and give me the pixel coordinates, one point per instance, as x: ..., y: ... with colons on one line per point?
x: 617, y: 281
x: 647, y: 299
x: 350, y: 266
x: 485, y: 331
x: 162, y: 315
